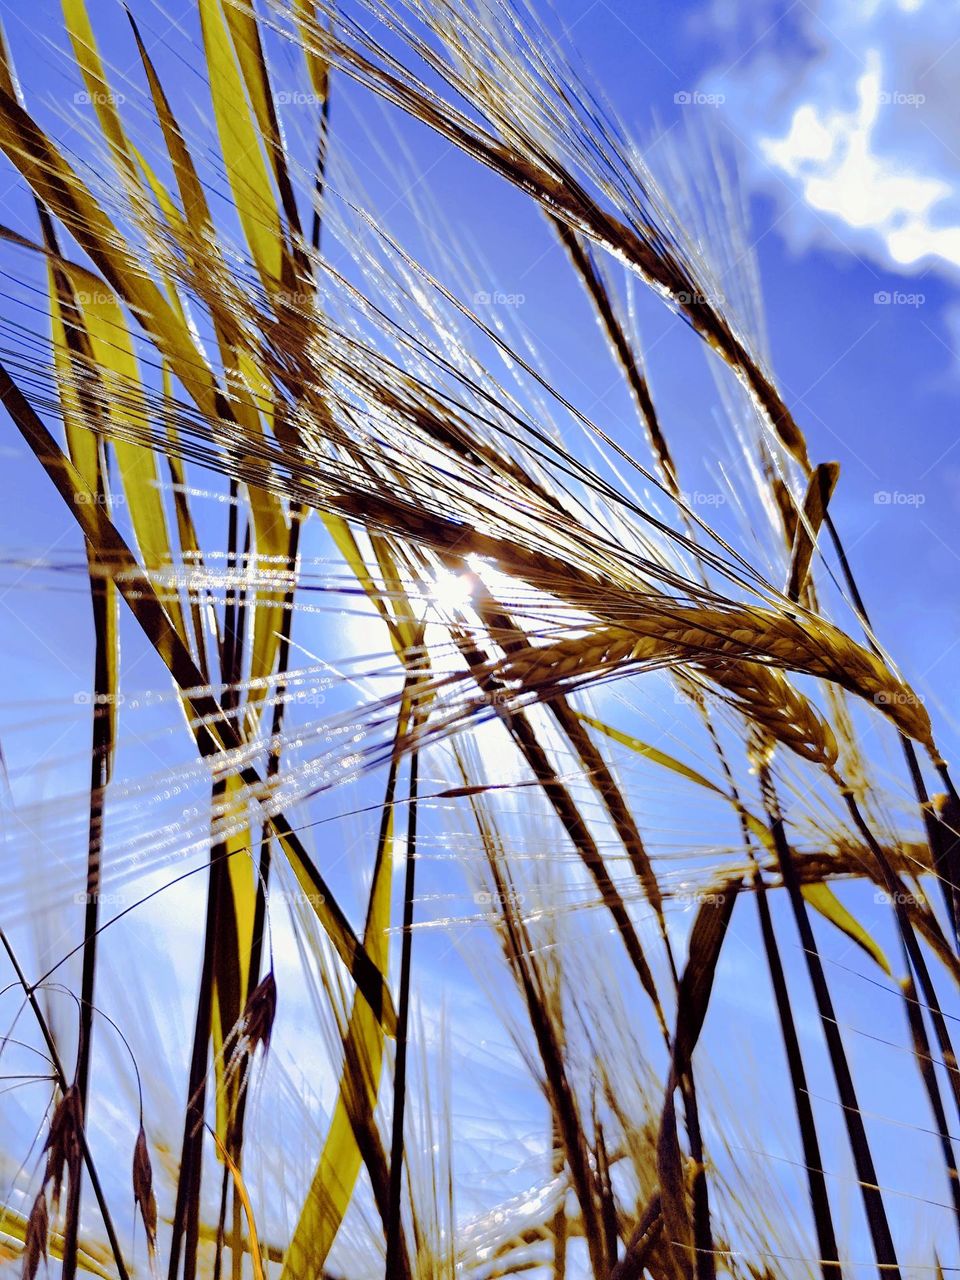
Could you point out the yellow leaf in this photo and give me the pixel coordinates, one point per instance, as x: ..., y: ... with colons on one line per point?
x: 98, y: 88
x: 335, y: 1177
x: 58, y: 186
x: 306, y: 19
x: 822, y: 898
x: 242, y: 148
x: 113, y: 353
x: 233, y: 940
x: 759, y: 829
x: 195, y: 210
x: 84, y: 447
x: 272, y: 533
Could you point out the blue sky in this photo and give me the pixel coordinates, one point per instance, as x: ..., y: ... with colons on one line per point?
x: 841, y: 116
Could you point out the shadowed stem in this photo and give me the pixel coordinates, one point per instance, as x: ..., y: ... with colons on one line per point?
x: 394, y: 1223
x: 186, y: 1212
x: 263, y: 880
x: 816, y: 1182
x: 101, y: 747
x: 859, y: 1145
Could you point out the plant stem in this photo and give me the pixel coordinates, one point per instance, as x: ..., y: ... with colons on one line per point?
x: 394, y: 1226
x: 816, y: 1182
x: 859, y: 1145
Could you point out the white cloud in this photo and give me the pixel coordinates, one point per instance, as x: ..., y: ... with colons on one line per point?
x: 862, y: 126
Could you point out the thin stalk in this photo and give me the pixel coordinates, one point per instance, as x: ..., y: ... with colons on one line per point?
x: 881, y: 1236
x: 100, y: 752
x: 320, y: 178
x: 185, y: 1233
x: 263, y: 879
x: 273, y: 763
x: 572, y: 820
x: 921, y: 1050
x: 229, y: 651
x: 394, y: 1222
x: 231, y: 657
x: 103, y: 602
x: 558, y: 1227
x: 816, y: 1182
x: 813, y: 1162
